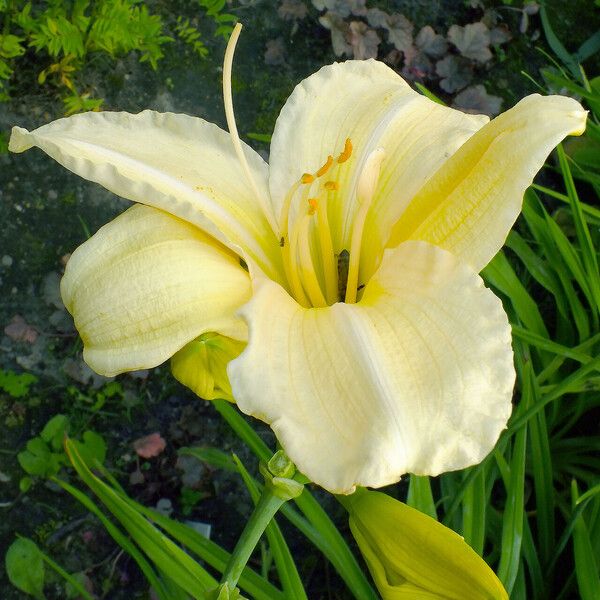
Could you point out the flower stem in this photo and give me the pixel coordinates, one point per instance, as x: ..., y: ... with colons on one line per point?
x: 265, y: 510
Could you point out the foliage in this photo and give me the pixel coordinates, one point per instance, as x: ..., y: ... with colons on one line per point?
x: 44, y: 455
x: 67, y: 34
x: 24, y: 563
x: 16, y: 385
x: 223, y: 20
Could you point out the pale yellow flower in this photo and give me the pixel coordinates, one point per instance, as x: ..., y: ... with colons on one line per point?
x: 413, y: 557
x: 393, y: 359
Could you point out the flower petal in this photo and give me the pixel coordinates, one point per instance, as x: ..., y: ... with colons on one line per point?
x: 471, y: 203
x: 416, y: 377
x: 145, y: 285
x: 373, y: 106
x: 177, y: 163
x: 408, y: 551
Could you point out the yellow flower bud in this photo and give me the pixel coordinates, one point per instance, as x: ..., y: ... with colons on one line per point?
x: 412, y: 556
x: 201, y: 365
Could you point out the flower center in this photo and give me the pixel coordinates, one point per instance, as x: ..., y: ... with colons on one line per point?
x: 311, y: 266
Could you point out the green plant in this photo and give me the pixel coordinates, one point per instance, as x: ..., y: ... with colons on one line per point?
x: 44, y: 456
x: 224, y: 21
x: 16, y: 385
x: 67, y: 34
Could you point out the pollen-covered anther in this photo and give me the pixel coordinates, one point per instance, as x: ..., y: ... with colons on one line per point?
x: 313, y: 205
x: 325, y: 167
x: 346, y: 152
x: 331, y: 186
x: 307, y: 178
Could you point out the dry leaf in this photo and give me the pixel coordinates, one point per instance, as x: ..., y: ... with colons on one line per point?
x: 430, y: 42
x: 472, y: 40
x: 19, y: 330
x: 399, y: 28
x: 274, y: 54
x: 149, y: 445
x: 292, y: 10
x: 340, y: 30
x: 499, y: 35
x: 455, y: 72
x: 364, y: 40
x: 476, y: 100
x: 343, y: 8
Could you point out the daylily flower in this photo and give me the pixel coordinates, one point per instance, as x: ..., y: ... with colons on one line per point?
x: 374, y: 348
x: 412, y: 556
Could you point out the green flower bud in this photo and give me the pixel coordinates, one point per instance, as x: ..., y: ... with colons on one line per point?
x: 201, y: 365
x: 280, y: 465
x: 412, y: 556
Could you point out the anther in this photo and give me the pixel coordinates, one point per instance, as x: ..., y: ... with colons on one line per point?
x: 346, y: 152
x: 325, y: 167
x: 332, y: 186
x: 313, y: 204
x: 307, y: 178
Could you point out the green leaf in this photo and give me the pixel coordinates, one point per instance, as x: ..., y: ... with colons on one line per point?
x: 420, y: 496
x: 586, y: 562
x: 36, y: 458
x: 212, y: 456
x: 557, y: 46
x: 25, y: 567
x: 16, y: 385
x: 512, y: 521
x: 54, y: 431
x: 189, y: 575
x: 92, y: 448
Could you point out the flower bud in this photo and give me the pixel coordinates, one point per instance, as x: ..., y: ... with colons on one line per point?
x: 201, y: 365
x: 411, y: 555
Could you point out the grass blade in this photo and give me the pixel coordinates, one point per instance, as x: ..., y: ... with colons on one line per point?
x: 420, y: 496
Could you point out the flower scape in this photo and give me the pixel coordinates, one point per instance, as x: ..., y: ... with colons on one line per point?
x: 338, y: 284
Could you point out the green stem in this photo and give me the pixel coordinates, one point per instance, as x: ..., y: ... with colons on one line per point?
x: 265, y: 510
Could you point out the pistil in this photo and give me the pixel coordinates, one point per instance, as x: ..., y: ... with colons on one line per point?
x: 262, y: 200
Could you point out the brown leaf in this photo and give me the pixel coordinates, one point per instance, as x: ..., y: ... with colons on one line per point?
x: 430, y: 42
x: 344, y: 8
x: 364, y: 40
x: 476, y: 100
x: 340, y: 30
x: 149, y: 445
x: 455, y: 72
x: 398, y: 27
x: 472, y: 40
x: 20, y: 331
x: 274, y: 54
x: 292, y: 10
x: 500, y: 35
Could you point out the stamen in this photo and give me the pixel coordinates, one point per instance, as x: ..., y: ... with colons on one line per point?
x: 367, y: 184
x: 325, y: 167
x: 307, y: 178
x: 331, y: 186
x: 326, y: 246
x: 291, y: 258
x: 346, y: 152
x: 285, y: 209
x: 263, y: 201
x: 307, y: 267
